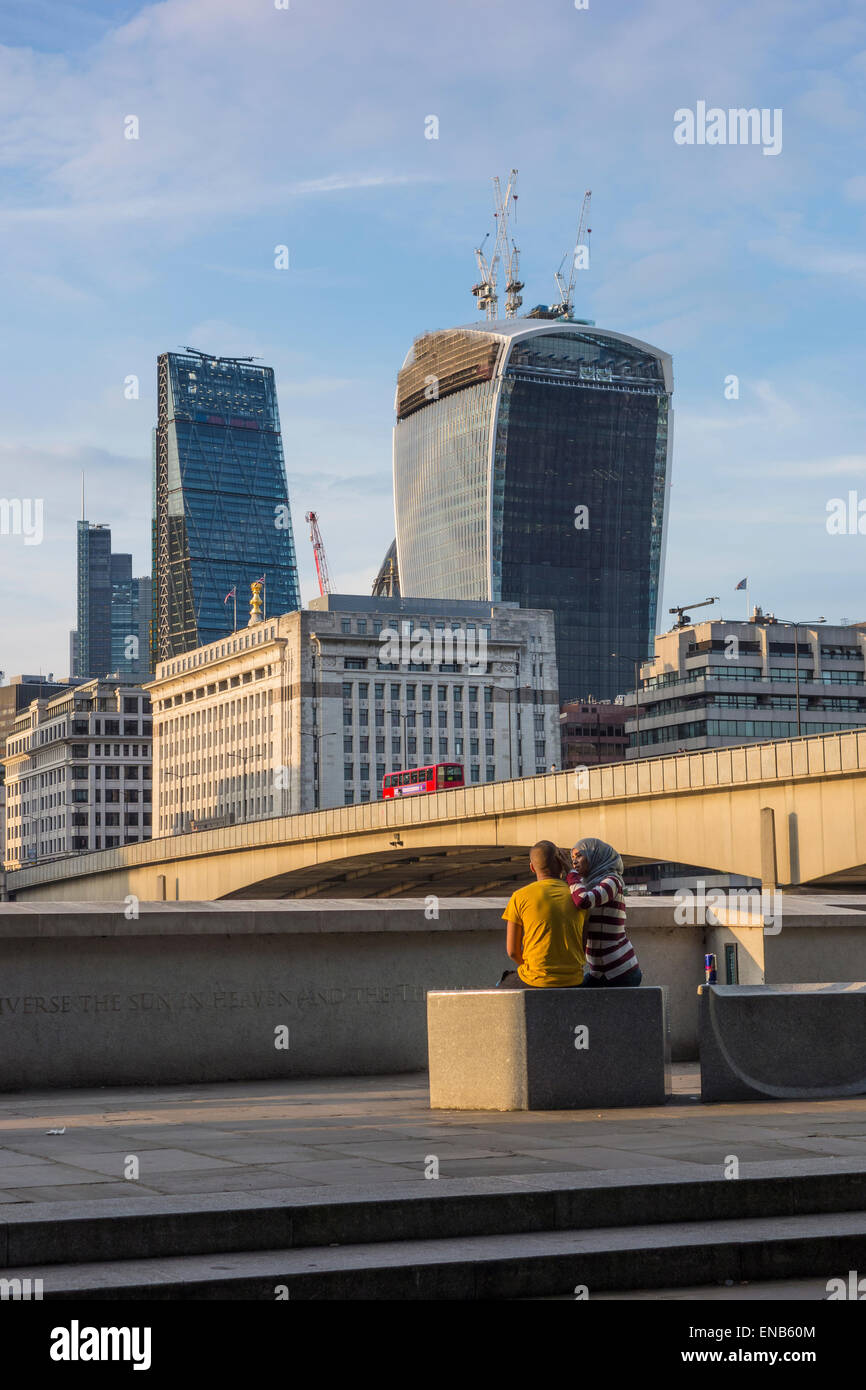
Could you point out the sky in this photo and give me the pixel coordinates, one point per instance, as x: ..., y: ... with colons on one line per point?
x: 307, y: 127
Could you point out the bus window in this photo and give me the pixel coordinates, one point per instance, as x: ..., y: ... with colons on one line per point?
x: 440, y: 776
x: 453, y: 773
x: 405, y: 778
x: 389, y: 781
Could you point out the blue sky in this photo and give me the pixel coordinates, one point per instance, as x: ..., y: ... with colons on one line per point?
x: 306, y: 127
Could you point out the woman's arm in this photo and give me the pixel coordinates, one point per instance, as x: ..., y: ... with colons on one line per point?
x: 603, y: 892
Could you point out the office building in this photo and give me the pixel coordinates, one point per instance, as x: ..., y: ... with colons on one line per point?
x: 313, y: 708
x: 78, y: 773
x: 221, y: 506
x: 593, y: 732
x: 113, y: 611
x: 531, y: 465
x: 719, y: 682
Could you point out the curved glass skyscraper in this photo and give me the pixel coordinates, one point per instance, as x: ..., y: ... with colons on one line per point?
x: 531, y: 465
x: 221, y: 505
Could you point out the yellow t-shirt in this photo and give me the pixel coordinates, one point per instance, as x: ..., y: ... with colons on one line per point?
x: 553, y: 952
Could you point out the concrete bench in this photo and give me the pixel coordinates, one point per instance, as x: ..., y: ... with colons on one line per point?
x: 547, y: 1049
x: 782, y: 1042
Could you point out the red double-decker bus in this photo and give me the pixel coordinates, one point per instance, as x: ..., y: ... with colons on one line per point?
x: 439, y: 777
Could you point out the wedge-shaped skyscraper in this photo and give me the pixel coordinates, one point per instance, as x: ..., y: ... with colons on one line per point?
x: 531, y: 465
x: 221, y: 506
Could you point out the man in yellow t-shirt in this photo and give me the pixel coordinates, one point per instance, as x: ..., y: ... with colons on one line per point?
x: 545, y: 929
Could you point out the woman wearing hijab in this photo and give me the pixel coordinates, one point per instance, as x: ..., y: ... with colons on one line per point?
x: 596, y: 884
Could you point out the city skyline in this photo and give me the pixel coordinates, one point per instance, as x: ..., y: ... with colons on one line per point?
x: 739, y: 265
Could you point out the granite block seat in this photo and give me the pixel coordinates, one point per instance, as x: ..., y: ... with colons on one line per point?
x: 547, y: 1049
x: 782, y: 1042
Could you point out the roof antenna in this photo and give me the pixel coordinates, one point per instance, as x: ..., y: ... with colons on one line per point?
x: 83, y: 514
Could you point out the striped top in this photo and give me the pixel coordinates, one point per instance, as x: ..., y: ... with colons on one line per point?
x: 609, y: 952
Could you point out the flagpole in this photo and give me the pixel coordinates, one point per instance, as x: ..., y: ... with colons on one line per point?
x: 236, y: 608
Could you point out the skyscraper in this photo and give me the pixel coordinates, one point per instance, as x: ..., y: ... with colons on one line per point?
x: 113, y: 611
x: 531, y: 465
x: 93, y: 644
x: 221, y: 506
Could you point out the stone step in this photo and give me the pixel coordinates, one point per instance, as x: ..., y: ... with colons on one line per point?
x: 531, y: 1265
x: 65, y: 1233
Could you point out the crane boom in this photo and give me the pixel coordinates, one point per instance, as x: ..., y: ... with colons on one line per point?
x: 319, y: 553
x: 566, y: 291
x: 683, y: 617
x: 485, y: 291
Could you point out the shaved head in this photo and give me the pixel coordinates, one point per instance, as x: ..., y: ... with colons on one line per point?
x: 545, y: 858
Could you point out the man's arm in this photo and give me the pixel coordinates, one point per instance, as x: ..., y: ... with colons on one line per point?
x: 514, y: 941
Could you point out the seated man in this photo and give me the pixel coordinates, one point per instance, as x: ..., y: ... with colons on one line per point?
x: 545, y: 930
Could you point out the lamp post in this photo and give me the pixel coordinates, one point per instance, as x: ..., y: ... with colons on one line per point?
x: 636, y: 662
x: 168, y: 772
x: 317, y: 739
x: 811, y: 622
x: 243, y: 758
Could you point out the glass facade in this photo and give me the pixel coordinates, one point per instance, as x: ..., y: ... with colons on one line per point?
x: 93, y: 641
x: 543, y: 483
x: 222, y: 517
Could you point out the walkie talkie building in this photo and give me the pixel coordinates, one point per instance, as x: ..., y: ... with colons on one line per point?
x: 221, y: 506
x: 531, y: 465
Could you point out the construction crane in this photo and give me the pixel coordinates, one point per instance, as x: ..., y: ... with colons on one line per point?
x: 513, y: 284
x: 319, y: 552
x: 485, y: 290
x: 566, y: 291
x: 684, y: 620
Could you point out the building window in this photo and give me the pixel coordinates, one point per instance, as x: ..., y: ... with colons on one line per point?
x: 491, y: 772
x: 346, y: 625
x: 426, y: 692
x: 348, y: 773
x: 347, y: 690
x: 395, y: 692
x: 380, y: 690
x: 348, y: 744
x: 354, y: 663
x: 488, y: 747
x: 365, y: 772
x: 443, y: 747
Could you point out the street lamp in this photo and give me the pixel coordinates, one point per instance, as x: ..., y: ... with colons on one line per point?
x: 637, y: 662
x: 242, y: 756
x: 168, y: 772
x: 317, y: 739
x: 807, y: 622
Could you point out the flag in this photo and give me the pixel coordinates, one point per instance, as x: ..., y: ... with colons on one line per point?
x: 743, y: 584
x: 232, y: 593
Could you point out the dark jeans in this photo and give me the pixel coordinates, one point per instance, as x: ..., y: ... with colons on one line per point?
x: 631, y: 977
x: 511, y: 980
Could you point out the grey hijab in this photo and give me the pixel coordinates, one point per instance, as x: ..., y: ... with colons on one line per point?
x: 603, y: 860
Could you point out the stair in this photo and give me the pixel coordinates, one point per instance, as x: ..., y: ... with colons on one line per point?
x: 452, y: 1238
